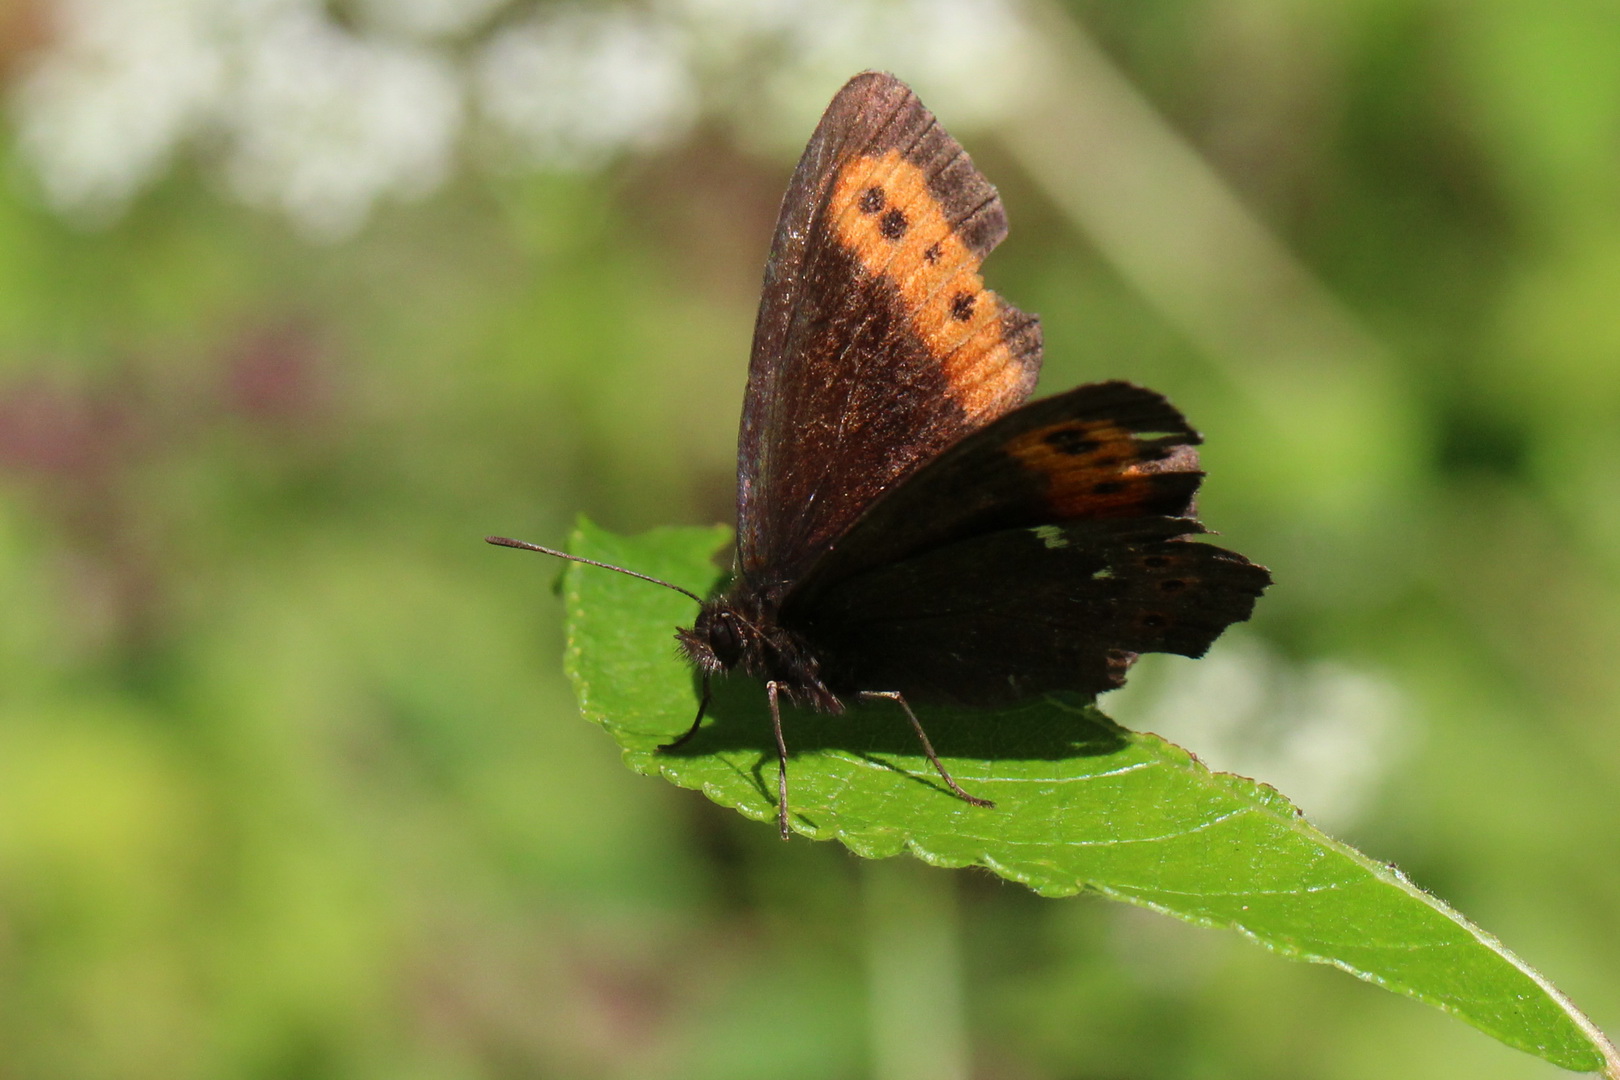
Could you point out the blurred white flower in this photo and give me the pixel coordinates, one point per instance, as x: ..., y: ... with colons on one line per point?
x: 778, y: 62
x: 1323, y: 733
x: 575, y: 85
x: 963, y: 57
x: 322, y: 123
x: 101, y: 114
x: 428, y: 19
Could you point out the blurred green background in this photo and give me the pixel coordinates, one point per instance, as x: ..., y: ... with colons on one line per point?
x: 299, y: 300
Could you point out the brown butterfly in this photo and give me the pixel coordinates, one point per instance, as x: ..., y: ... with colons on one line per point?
x: 907, y: 527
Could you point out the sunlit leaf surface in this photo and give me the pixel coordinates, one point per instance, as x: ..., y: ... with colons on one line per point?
x: 1081, y: 804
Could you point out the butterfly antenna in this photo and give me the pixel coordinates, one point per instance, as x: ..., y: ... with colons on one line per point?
x: 506, y: 541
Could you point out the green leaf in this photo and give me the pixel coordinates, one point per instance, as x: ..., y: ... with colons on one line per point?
x: 1081, y: 804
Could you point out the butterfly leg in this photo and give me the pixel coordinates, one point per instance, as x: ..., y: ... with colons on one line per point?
x: 781, y: 762
x: 703, y: 706
x: 928, y: 747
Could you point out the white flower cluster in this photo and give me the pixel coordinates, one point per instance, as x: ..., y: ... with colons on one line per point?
x: 321, y: 120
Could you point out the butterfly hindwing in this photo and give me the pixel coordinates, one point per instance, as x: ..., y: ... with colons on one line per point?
x: 1002, y: 616
x: 1106, y: 450
x: 877, y: 345
x: 1041, y: 553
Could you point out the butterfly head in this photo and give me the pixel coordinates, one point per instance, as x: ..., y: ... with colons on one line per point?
x: 720, y: 639
x: 740, y: 632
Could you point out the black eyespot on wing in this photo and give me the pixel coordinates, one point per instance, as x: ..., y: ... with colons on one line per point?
x: 872, y: 200
x: 893, y: 224
x: 962, y: 307
x: 1072, y: 441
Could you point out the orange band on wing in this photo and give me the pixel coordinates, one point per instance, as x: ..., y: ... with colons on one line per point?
x: 882, y: 211
x: 1093, y: 468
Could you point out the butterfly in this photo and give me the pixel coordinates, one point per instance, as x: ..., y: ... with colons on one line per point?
x: 909, y: 529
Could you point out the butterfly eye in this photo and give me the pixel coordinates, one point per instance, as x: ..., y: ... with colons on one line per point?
x: 725, y: 640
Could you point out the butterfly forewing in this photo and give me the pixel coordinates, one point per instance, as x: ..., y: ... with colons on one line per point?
x: 877, y: 345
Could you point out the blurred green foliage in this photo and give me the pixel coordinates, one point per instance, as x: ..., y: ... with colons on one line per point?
x: 290, y: 781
